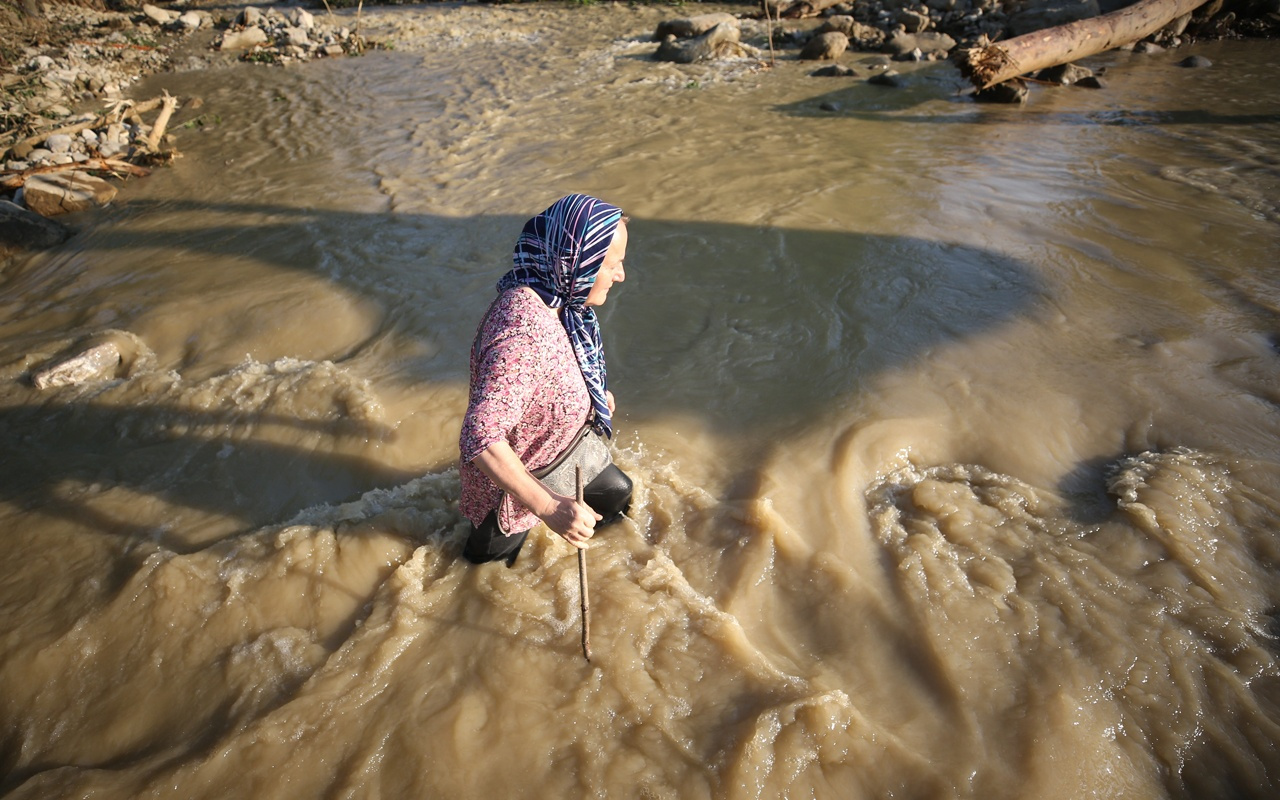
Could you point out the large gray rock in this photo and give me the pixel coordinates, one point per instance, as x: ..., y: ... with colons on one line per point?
x: 65, y: 192
x: 689, y: 27
x: 21, y: 229
x: 719, y: 41
x: 825, y: 47
x: 1050, y: 13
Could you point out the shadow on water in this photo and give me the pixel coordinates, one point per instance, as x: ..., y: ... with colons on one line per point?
x: 61, y: 459
x: 749, y: 329
x: 738, y: 325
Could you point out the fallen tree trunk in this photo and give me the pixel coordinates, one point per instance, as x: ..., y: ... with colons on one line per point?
x: 999, y: 62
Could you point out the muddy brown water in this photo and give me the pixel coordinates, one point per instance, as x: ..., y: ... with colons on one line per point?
x: 955, y: 434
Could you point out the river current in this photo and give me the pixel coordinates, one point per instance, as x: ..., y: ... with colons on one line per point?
x: 955, y: 431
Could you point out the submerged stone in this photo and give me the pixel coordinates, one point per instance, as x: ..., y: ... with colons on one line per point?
x: 887, y: 78
x: 1065, y: 74
x: 1007, y: 92
x: 1195, y: 62
x: 86, y: 365
x: 833, y: 71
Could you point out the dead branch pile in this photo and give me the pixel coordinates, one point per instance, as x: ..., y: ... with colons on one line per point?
x: 119, y: 143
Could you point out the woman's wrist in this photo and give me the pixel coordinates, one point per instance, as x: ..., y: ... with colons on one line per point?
x: 549, y: 508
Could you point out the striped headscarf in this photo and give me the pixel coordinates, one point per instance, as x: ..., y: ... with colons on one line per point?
x: 558, y: 255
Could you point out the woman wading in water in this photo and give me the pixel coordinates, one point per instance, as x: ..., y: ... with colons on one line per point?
x: 539, y: 403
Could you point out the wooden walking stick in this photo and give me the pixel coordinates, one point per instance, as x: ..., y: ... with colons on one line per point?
x: 582, y: 584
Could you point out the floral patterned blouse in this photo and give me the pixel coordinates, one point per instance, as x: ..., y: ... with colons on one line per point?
x: 526, y: 389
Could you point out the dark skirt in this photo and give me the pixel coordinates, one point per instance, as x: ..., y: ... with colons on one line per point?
x: 609, y: 495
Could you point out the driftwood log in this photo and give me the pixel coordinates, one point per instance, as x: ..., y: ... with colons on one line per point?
x: 168, y: 104
x: 1002, y: 61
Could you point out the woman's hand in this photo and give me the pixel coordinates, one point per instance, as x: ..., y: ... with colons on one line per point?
x: 574, y: 521
x: 608, y: 398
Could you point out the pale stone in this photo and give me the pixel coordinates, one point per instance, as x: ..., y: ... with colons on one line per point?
x: 84, y: 366
x: 190, y: 21
x: 64, y: 192
x: 243, y: 40
x: 158, y: 15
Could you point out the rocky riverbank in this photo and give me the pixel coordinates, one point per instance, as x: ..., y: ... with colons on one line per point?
x: 932, y: 30
x: 65, y: 122
x: 65, y: 73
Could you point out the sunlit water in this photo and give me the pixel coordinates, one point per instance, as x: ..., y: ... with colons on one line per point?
x: 954, y: 430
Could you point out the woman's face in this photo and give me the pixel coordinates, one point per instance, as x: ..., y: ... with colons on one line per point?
x: 611, y: 270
